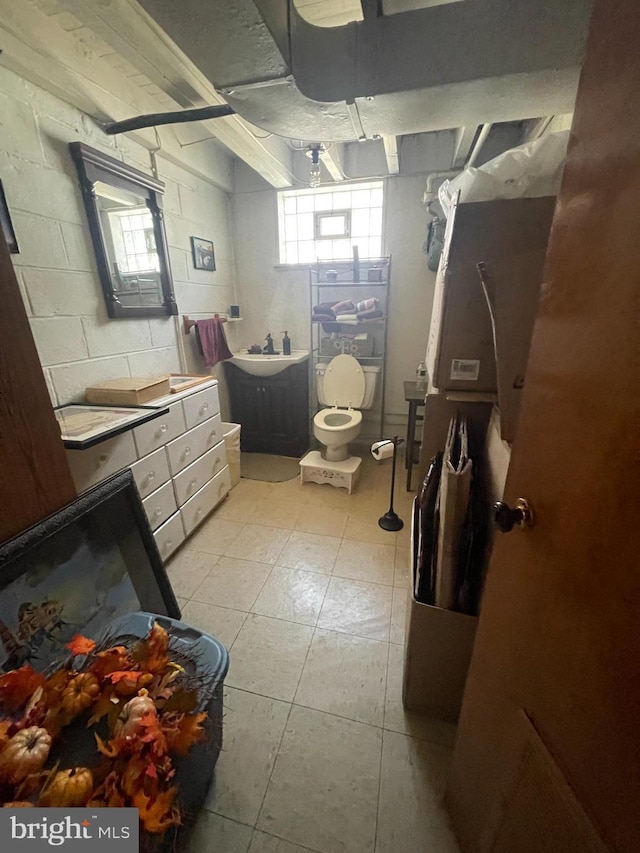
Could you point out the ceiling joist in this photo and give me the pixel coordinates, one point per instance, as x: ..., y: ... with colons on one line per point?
x: 330, y: 157
x: 41, y: 51
x: 391, y: 154
x: 464, y: 140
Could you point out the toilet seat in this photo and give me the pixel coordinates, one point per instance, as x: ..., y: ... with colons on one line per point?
x: 335, y: 420
x: 344, y: 382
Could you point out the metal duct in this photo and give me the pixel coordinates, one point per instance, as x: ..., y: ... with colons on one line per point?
x: 441, y: 67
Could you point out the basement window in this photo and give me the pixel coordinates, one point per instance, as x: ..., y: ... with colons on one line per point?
x: 326, y: 224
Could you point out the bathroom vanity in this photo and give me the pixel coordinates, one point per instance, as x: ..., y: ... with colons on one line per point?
x: 272, y: 409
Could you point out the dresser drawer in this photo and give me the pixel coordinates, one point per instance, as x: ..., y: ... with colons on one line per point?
x: 185, y: 449
x: 156, y: 433
x: 200, y: 505
x: 151, y: 472
x: 169, y: 535
x: 198, y: 407
x: 90, y: 466
x: 194, y: 476
x: 160, y: 505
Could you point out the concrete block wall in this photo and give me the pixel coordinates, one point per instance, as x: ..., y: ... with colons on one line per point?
x: 274, y: 297
x: 77, y: 343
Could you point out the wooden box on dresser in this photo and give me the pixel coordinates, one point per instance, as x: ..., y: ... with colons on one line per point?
x: 178, y: 462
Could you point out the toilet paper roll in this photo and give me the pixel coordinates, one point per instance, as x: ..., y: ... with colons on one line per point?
x: 382, y: 449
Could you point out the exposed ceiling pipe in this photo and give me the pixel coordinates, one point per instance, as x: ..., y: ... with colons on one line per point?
x: 477, y: 145
x: 179, y: 117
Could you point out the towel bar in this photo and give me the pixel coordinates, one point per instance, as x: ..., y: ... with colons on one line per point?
x: 188, y: 323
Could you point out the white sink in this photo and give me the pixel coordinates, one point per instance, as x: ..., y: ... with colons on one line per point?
x: 268, y: 365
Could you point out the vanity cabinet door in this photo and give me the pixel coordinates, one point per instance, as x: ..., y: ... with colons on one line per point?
x: 273, y: 410
x: 278, y: 412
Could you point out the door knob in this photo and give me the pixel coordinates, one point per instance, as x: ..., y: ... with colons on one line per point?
x: 506, y: 517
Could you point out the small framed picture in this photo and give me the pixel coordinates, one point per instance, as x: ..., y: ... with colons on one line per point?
x: 203, y: 257
x: 6, y: 225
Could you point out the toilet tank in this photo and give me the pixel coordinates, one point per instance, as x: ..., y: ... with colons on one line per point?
x: 370, y: 383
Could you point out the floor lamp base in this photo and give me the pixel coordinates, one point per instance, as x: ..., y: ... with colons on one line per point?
x: 390, y: 521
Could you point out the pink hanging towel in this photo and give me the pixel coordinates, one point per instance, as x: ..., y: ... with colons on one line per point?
x: 212, y: 341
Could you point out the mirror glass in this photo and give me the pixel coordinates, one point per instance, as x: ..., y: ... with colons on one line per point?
x: 130, y: 242
x: 124, y: 209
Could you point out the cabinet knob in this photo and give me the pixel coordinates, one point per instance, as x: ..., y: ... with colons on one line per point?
x: 168, y: 544
x: 102, y: 460
x: 192, y: 482
x: 157, y: 513
x: 506, y: 517
x: 151, y: 475
x: 204, y: 408
x: 187, y: 451
x: 162, y: 429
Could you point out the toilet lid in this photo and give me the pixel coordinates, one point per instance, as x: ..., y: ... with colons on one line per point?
x: 344, y: 382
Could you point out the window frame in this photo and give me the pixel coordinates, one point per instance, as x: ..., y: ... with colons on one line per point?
x: 292, y: 248
x: 318, y: 215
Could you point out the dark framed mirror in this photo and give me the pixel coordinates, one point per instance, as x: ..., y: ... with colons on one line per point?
x: 124, y: 208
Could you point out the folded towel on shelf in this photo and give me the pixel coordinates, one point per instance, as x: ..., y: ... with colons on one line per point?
x: 343, y: 307
x: 372, y: 314
x: 346, y: 318
x: 323, y: 308
x: 212, y: 341
x: 367, y: 304
x: 323, y: 318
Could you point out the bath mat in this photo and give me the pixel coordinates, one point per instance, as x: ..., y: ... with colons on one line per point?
x: 268, y: 468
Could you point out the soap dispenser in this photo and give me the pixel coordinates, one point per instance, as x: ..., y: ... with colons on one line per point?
x: 286, y: 344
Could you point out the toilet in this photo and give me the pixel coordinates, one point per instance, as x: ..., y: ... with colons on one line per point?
x: 345, y: 388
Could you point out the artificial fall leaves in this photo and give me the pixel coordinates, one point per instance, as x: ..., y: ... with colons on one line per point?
x: 146, y: 713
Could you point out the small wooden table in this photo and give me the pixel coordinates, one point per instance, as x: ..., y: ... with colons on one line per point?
x: 414, y: 397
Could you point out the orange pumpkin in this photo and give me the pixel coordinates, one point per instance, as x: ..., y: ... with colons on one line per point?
x: 128, y: 721
x: 25, y: 753
x: 68, y: 788
x: 80, y: 693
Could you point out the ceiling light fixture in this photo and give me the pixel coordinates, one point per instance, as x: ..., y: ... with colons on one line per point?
x: 314, y: 151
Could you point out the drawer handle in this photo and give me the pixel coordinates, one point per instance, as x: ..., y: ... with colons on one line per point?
x: 162, y: 429
x: 168, y: 544
x: 192, y: 482
x: 157, y: 513
x: 151, y: 475
x: 103, y: 460
x: 199, y: 511
x: 214, y: 434
x: 187, y: 451
x: 204, y: 408
x: 217, y: 462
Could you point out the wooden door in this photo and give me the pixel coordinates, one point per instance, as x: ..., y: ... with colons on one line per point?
x: 548, y: 750
x: 35, y: 479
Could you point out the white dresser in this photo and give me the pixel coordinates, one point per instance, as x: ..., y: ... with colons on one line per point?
x: 178, y: 462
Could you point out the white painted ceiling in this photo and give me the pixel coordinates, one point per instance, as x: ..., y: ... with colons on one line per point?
x: 337, y: 13
x: 424, y: 67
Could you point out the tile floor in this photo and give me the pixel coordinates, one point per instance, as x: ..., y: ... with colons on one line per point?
x: 309, y: 595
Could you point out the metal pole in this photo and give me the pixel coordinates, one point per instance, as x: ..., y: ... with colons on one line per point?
x: 390, y: 520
